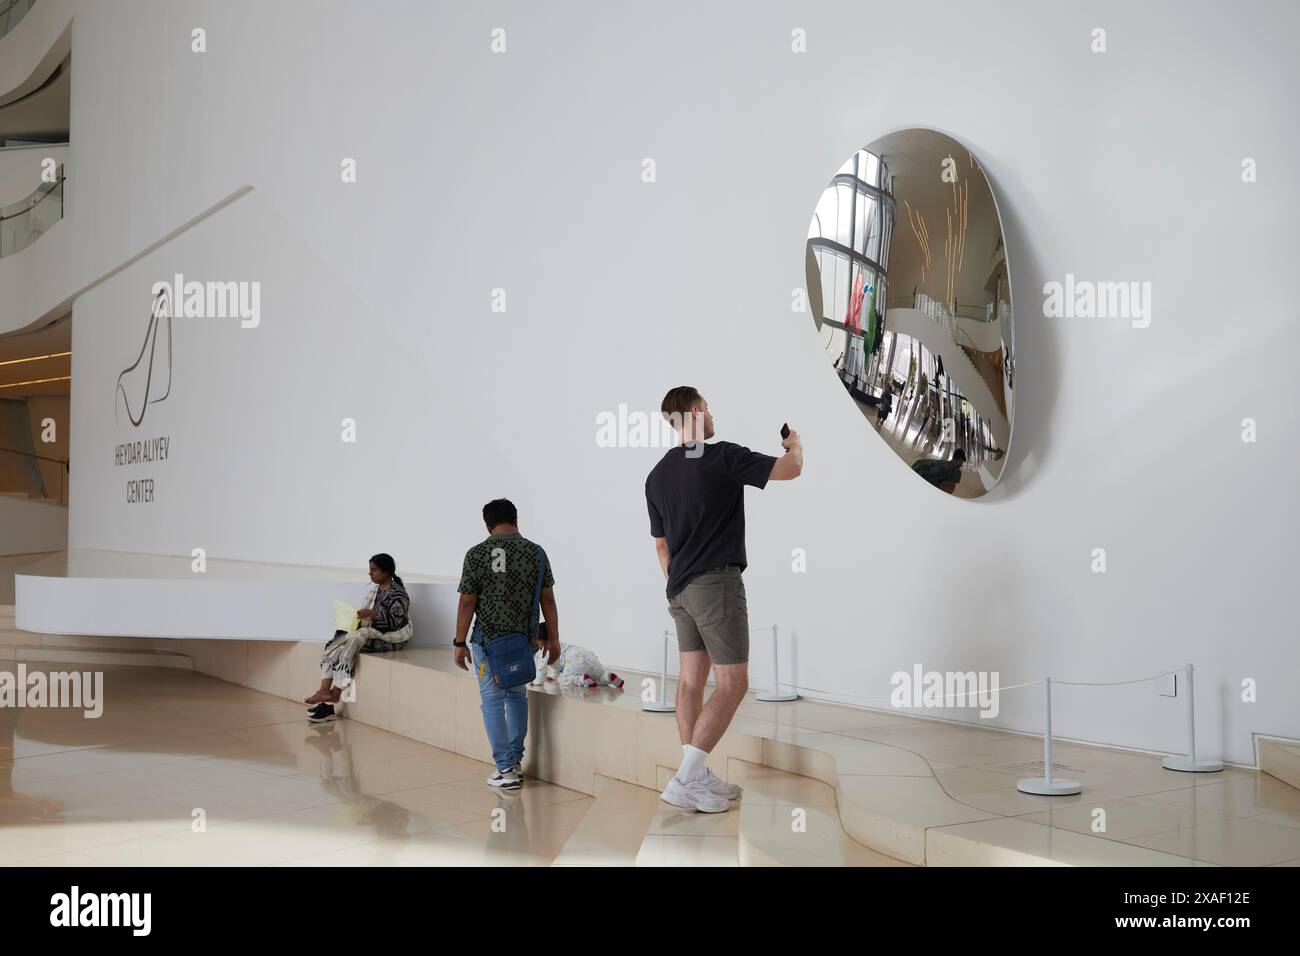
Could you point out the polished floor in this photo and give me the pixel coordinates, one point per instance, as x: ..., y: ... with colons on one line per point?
x: 183, y: 769
x: 186, y: 769
x: 958, y: 785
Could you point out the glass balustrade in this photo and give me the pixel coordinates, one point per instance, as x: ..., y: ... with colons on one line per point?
x: 25, y: 221
x: 11, y: 12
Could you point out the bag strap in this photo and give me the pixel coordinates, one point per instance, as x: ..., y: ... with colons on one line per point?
x: 537, y: 601
x: 537, y: 593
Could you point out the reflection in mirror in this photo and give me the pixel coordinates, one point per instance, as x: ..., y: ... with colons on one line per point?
x: 909, y: 288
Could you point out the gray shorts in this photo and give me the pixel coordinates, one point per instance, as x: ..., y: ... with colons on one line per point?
x: 711, y: 615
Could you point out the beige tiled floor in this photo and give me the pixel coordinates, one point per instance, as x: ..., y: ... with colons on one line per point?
x: 912, y: 782
x: 269, y: 787
x: 1236, y: 842
x: 272, y: 790
x: 612, y: 830
x: 665, y: 850
x: 901, y: 778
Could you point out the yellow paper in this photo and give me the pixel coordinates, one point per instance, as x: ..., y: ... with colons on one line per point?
x: 345, y: 617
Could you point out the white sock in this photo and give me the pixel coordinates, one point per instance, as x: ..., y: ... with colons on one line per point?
x: 693, y: 759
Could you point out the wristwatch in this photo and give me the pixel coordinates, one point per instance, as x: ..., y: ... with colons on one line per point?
x: 457, y: 643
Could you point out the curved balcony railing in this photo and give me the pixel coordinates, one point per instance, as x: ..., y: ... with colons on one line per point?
x: 25, y: 221
x: 945, y: 318
x: 11, y: 12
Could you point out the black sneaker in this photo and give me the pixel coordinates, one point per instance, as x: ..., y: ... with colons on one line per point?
x: 321, y: 713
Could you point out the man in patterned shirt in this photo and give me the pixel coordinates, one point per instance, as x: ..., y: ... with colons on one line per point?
x: 496, y: 588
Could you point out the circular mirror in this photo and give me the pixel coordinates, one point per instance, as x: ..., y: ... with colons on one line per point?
x: 910, y: 293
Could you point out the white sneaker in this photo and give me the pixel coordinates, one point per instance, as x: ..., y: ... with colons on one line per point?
x: 693, y: 795
x: 716, y: 785
x: 505, y: 780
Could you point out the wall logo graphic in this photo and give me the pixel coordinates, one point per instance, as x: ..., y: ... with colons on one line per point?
x: 145, y: 382
x: 215, y: 300
x: 148, y: 380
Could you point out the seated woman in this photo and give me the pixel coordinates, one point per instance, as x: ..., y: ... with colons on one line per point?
x: 386, y: 626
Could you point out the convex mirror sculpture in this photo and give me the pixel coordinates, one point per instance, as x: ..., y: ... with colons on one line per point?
x: 909, y: 288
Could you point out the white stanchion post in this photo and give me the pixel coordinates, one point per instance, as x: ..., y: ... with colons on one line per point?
x: 661, y: 706
x: 775, y: 694
x: 1045, y: 785
x: 1189, y: 763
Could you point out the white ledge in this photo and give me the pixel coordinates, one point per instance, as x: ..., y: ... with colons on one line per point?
x: 111, y: 593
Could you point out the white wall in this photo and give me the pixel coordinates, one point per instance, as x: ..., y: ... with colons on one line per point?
x: 522, y: 171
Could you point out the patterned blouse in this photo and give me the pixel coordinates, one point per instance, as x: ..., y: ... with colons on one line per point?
x: 392, y: 607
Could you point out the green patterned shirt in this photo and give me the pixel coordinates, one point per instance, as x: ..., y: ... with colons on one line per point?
x: 502, y: 571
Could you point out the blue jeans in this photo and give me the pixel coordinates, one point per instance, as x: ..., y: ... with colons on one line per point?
x: 505, y: 713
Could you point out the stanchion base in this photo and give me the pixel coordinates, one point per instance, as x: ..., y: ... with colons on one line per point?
x: 657, y: 708
x: 1188, y: 765
x: 1048, y: 788
x: 777, y: 698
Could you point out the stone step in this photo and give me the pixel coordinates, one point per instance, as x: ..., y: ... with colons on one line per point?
x: 790, y: 820
x: 686, y: 838
x: 614, y: 827
x: 1281, y: 759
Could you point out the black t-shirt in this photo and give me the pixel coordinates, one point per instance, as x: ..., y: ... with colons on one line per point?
x: 696, y: 498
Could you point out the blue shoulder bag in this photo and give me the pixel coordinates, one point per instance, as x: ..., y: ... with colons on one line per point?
x: 510, y: 656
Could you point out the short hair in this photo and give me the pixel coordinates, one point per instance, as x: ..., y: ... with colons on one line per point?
x: 680, y: 402
x: 959, y: 455
x: 500, y: 511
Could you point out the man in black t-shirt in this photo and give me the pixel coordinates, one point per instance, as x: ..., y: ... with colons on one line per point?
x: 696, y: 500
x: 943, y: 474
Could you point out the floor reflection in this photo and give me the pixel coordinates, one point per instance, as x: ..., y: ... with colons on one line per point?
x: 184, y: 769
